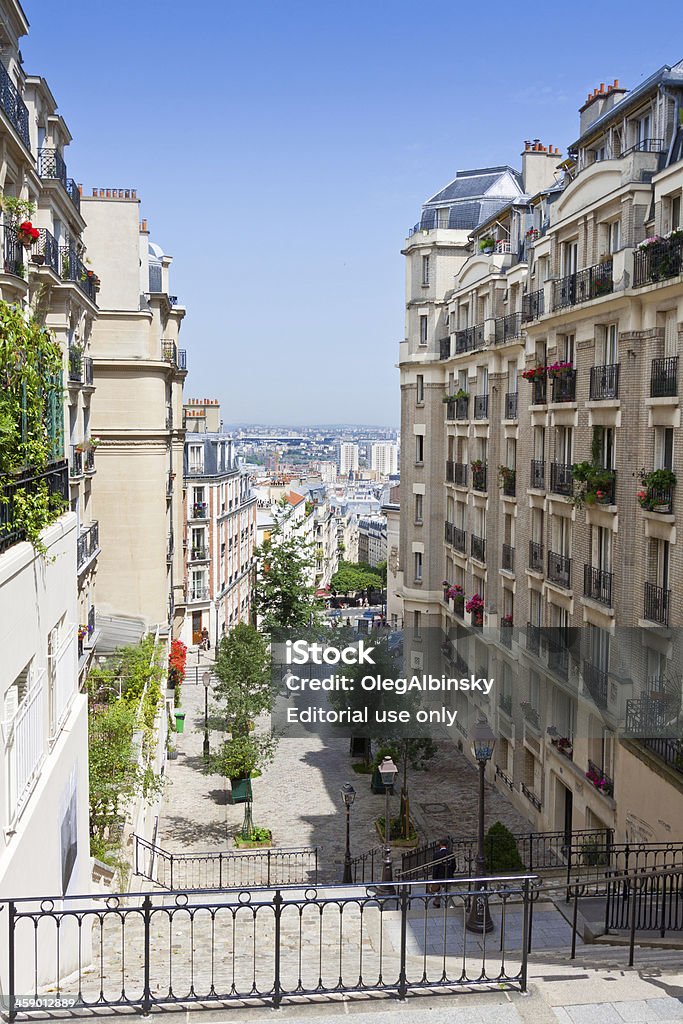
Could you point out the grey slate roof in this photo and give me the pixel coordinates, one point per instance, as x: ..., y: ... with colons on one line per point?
x: 466, y: 197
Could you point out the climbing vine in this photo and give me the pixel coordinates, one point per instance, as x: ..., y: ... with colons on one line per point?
x: 31, y: 424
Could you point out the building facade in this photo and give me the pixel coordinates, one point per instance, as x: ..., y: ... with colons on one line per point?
x: 540, y: 405
x: 384, y: 458
x: 348, y: 458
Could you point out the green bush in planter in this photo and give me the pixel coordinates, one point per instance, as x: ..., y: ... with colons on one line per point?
x: 500, y: 847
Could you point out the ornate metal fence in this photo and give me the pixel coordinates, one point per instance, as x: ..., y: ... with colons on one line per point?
x: 150, y: 949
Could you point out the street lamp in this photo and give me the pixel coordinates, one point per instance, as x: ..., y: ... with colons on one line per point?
x: 348, y: 796
x: 206, y: 679
x: 483, y: 742
x: 388, y: 772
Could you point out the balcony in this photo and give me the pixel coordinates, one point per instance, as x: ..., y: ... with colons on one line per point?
x: 583, y: 286
x: 87, y: 545
x: 664, y: 378
x: 597, y: 585
x: 534, y: 800
x: 450, y: 471
x: 464, y: 340
x: 539, y: 388
x: 533, y: 645
x: 75, y: 365
x: 169, y: 547
x: 657, y: 492
x: 508, y: 328
x: 604, y: 382
x: 478, y: 548
x: 595, y: 681
x: 478, y: 476
x: 481, y: 407
x: 444, y: 348
x: 599, y: 779
x: 29, y: 483
x: 536, y: 556
x: 459, y: 474
x: 505, y: 635
x: 459, y: 539
x: 564, y: 386
x: 511, y: 405
x: 658, y: 261
x: 537, y: 475
x: 508, y: 479
x: 14, y: 107
x: 51, y: 166
x: 507, y: 560
x: 89, y: 459
x: 448, y: 532
x: 169, y: 351
x: 182, y: 359
x: 462, y: 408
x: 13, y: 255
x: 199, y: 510
x: 76, y: 462
x: 559, y: 569
x: 199, y: 554
x: 670, y: 751
x: 479, y: 336
x: 72, y: 270
x: 450, y: 409
x: 533, y: 305
x: 561, y: 480
x: 198, y: 593
x: 45, y: 251
x: 656, y: 604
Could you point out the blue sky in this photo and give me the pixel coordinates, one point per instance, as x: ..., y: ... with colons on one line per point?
x: 282, y: 150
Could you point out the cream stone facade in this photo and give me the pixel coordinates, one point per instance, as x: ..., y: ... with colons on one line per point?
x: 528, y: 492
x: 137, y: 416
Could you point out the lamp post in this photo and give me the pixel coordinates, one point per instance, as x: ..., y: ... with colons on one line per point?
x: 206, y: 679
x: 388, y: 771
x: 483, y: 742
x: 348, y: 796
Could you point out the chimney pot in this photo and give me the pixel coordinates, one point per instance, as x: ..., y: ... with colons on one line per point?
x: 134, y: 193
x: 94, y: 191
x: 602, y: 87
x: 616, y: 83
x: 80, y: 188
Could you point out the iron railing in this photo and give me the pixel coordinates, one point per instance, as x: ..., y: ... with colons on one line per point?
x: 73, y: 269
x: 200, y: 510
x: 583, y: 285
x: 664, y: 377
x: 226, y: 869
x: 509, y: 482
x: 479, y: 478
x: 87, y: 545
x: 460, y: 474
x: 450, y: 471
x: 75, y: 364
x: 539, y: 391
x: 533, y: 305
x: 50, y: 164
x: 537, y: 475
x: 645, y: 902
x: 182, y: 359
x: 448, y: 532
x: 508, y: 558
x: 464, y: 340
x: 13, y: 254
x: 559, y: 569
x: 55, y: 479
x: 481, y: 407
x: 597, y: 584
x: 76, y: 462
x: 511, y: 405
x: 13, y: 105
x: 670, y: 751
x: 509, y: 327
x: 89, y: 459
x: 88, y: 374
x: 506, y: 634
x: 561, y: 480
x: 462, y: 408
x: 45, y: 251
x: 656, y: 604
x: 479, y: 335
x: 444, y: 348
x: 270, y: 946
x: 536, y: 556
x: 478, y: 547
x: 599, y: 779
x: 459, y: 539
x: 450, y: 409
x: 596, y: 681
x: 533, y: 799
x: 564, y: 386
x: 604, y: 382
x: 533, y: 637
x: 658, y: 261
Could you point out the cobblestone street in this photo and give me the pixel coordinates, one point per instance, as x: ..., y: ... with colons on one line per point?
x: 298, y: 795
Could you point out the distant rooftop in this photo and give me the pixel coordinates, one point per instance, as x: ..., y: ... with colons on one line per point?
x: 471, y: 198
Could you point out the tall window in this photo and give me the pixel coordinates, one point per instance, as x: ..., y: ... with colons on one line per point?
x: 570, y: 257
x: 420, y: 389
x: 664, y: 448
x: 418, y: 567
x: 419, y: 448
x: 418, y: 508
x: 425, y: 271
x: 614, y: 235
x: 423, y: 329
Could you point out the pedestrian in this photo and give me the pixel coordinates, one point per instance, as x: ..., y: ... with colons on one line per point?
x: 205, y: 644
x: 440, y: 864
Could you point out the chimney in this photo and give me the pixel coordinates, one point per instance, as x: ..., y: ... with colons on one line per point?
x: 599, y: 102
x: 538, y: 166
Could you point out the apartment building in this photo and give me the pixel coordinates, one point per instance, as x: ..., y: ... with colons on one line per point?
x: 540, y: 397
x: 219, y: 528
x: 137, y: 418
x: 372, y: 539
x: 45, y: 590
x: 348, y: 458
x: 384, y: 458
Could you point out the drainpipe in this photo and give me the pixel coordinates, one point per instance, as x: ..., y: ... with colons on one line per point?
x: 676, y: 97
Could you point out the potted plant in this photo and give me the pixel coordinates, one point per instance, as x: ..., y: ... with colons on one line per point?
x: 534, y: 373
x: 477, y: 465
x: 38, y: 258
x: 506, y: 475
x: 27, y: 234
x: 507, y: 621
x: 532, y: 234
x: 655, y: 495
x: 487, y: 245
x: 559, y: 369
x: 595, y: 484
x: 475, y: 606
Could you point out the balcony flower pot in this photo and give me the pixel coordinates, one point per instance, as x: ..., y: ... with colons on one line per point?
x: 38, y: 258
x: 259, y: 837
x: 27, y: 234
x: 486, y: 246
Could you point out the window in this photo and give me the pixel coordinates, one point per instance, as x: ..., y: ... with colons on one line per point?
x: 675, y: 218
x: 614, y: 235
x: 664, y: 448
x: 566, y: 348
x: 420, y: 389
x: 602, y: 548
x: 418, y: 567
x: 425, y: 271
x: 603, y: 446
x: 419, y: 448
x: 418, y: 507
x: 562, y: 535
x: 423, y: 329
x: 570, y: 257
x: 670, y: 335
x: 643, y: 129
x: 417, y: 624
x: 563, y: 445
x: 607, y: 344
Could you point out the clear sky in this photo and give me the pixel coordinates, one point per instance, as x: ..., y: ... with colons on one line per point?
x: 282, y: 150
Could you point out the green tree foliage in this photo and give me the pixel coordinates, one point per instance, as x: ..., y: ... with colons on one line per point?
x: 284, y: 596
x: 241, y: 756
x: 355, y: 576
x: 244, y: 684
x: 502, y: 855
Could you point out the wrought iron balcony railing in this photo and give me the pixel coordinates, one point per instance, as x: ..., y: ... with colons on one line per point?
x: 56, y: 477
x: 537, y: 475
x: 511, y: 405
x: 200, y: 510
x: 481, y: 407
x: 459, y: 539
x: 533, y: 305
x: 509, y: 327
x: 460, y: 474
x: 448, y: 532
x: 664, y: 377
x: 50, y: 164
x: 600, y: 779
x: 76, y: 462
x: 564, y: 387
x: 462, y: 408
x: 561, y: 480
x: 479, y: 478
x: 596, y: 681
x: 479, y: 336
x: 597, y: 584
x: 89, y: 460
x: 658, y: 261
x: 583, y: 286
x: 75, y: 364
x: 533, y: 639
x: 534, y: 800
x: 87, y: 544
x: 670, y: 751
x: 450, y: 409
x: 559, y: 569
x: 656, y: 604
x: 507, y: 560
x: 45, y: 251
x: 604, y: 382
x: 539, y: 391
x: 509, y: 483
x: 478, y: 548
x: 14, y: 107
x: 444, y: 348
x: 464, y: 340
x: 536, y: 556
x: 88, y: 372
x: 72, y: 269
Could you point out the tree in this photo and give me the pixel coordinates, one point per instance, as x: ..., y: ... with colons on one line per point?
x: 244, y: 681
x: 354, y: 576
x: 284, y: 597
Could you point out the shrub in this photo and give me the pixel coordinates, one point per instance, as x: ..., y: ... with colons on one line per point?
x: 501, y: 851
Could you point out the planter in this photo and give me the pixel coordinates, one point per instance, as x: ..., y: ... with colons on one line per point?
x: 180, y: 721
x: 404, y: 844
x: 172, y: 755
x: 38, y: 258
x: 240, y: 790
x: 251, y: 844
